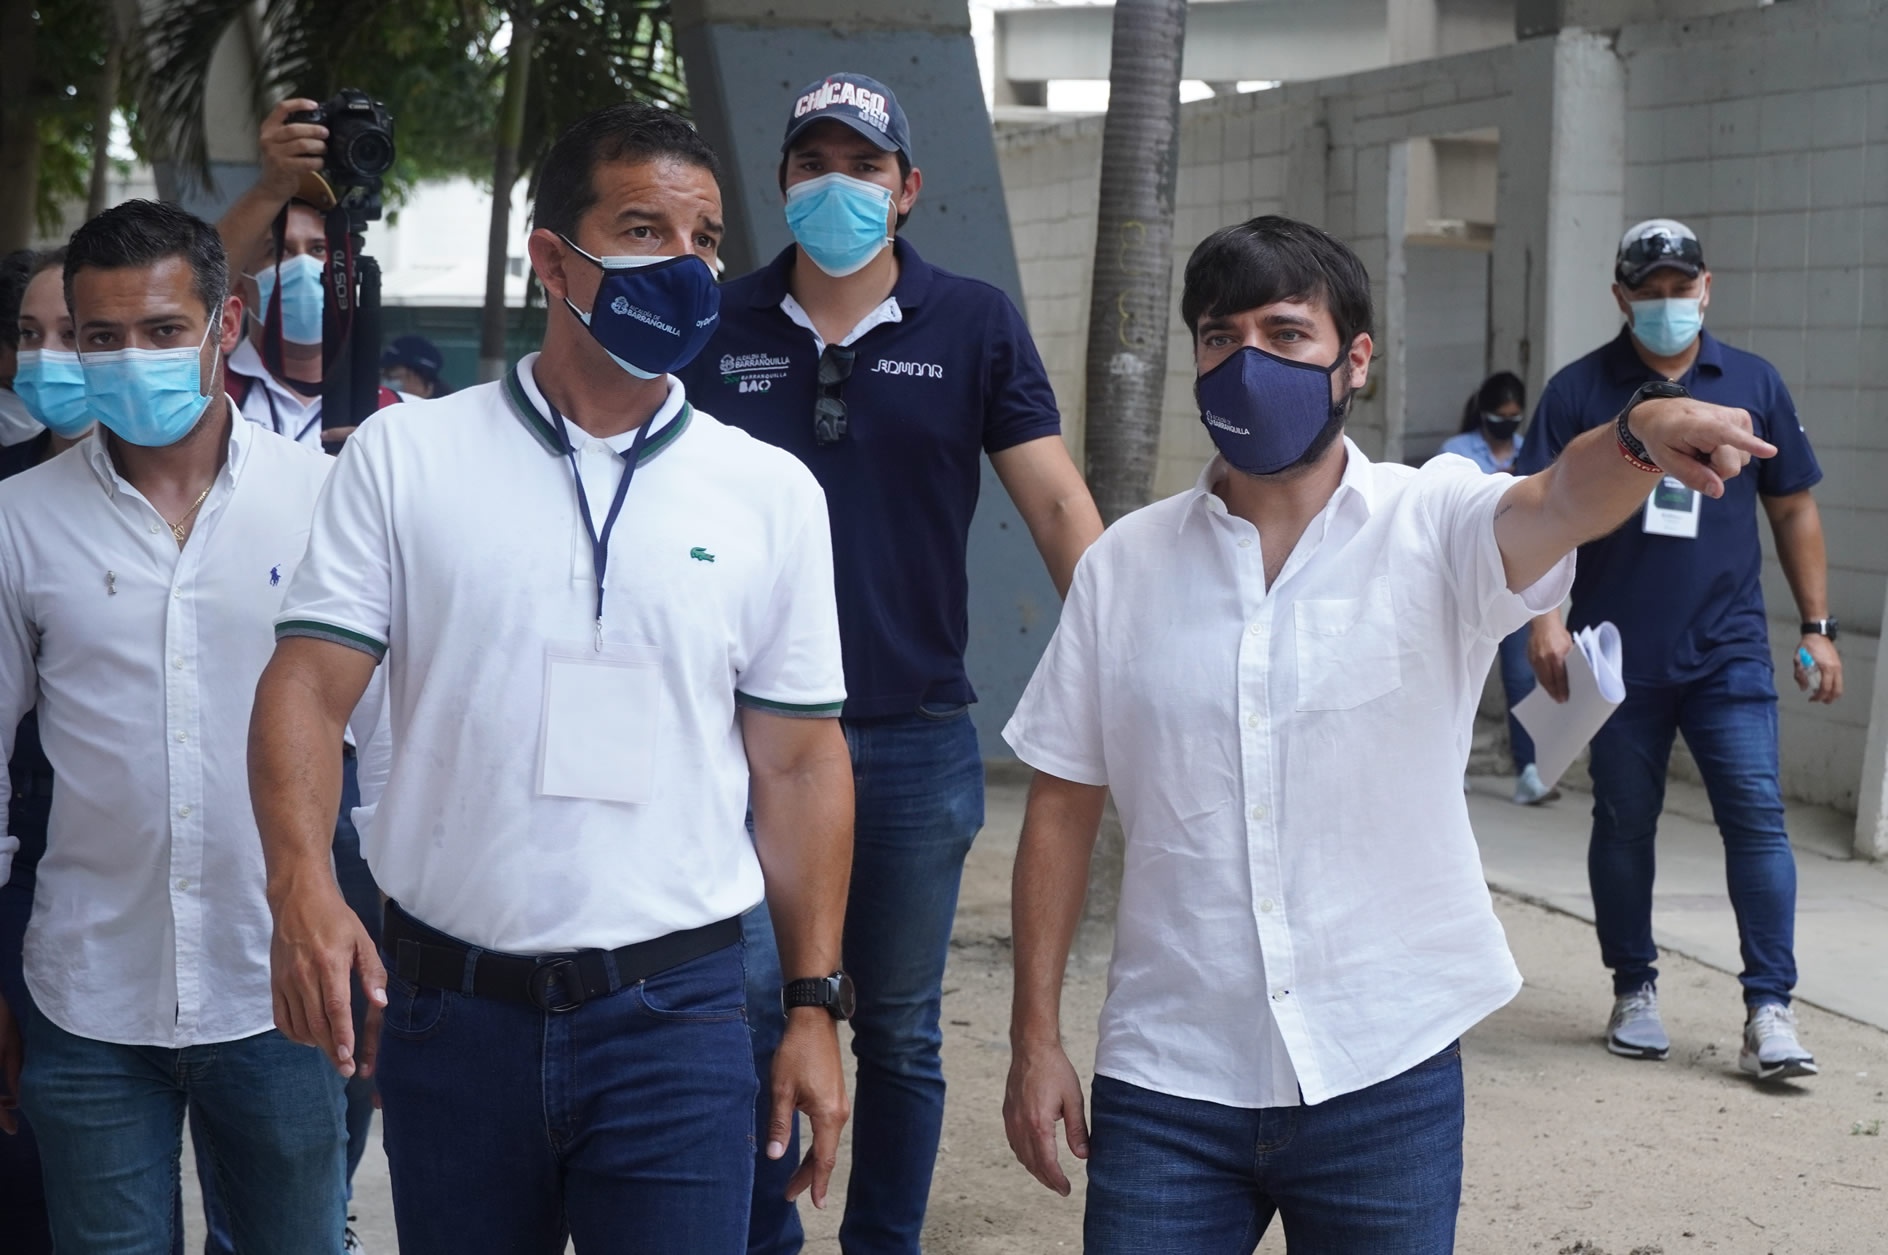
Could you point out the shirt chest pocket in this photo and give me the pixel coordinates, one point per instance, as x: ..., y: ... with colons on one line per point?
x: 1346, y: 649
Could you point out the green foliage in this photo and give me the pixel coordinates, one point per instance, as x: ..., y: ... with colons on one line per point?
x: 69, y: 59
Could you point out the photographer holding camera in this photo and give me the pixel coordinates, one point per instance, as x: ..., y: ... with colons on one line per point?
x: 286, y: 397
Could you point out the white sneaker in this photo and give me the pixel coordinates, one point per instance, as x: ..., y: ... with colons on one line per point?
x: 1530, y: 790
x: 1771, y: 1051
x: 1635, y: 1029
x: 350, y: 1241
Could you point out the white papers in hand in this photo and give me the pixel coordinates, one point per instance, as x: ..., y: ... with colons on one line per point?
x: 1594, y: 690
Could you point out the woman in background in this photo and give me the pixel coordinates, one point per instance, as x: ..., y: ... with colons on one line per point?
x: 1490, y: 438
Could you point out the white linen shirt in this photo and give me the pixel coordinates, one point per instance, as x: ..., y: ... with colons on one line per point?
x: 1302, y: 903
x: 149, y: 925
x: 450, y: 542
x: 272, y: 405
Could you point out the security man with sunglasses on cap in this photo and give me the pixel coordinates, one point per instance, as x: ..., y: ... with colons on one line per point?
x: 1683, y: 583
x: 890, y: 379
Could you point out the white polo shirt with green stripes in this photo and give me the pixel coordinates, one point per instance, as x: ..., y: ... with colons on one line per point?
x: 448, y: 543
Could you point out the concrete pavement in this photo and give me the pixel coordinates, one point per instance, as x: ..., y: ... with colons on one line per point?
x: 1539, y: 853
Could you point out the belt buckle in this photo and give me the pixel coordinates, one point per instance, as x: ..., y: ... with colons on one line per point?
x: 559, y: 972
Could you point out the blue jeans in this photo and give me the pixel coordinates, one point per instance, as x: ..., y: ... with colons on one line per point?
x: 1375, y: 1172
x: 626, y: 1124
x: 918, y: 789
x: 1517, y: 681
x: 361, y: 894
x: 1729, y: 719
x: 110, y: 1123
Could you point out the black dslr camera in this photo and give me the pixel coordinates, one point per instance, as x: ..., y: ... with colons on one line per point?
x: 360, y: 149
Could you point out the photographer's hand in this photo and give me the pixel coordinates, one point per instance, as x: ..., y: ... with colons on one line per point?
x: 290, y: 149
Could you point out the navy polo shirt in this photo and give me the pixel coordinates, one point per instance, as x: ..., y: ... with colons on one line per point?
x: 957, y: 378
x: 1684, y: 607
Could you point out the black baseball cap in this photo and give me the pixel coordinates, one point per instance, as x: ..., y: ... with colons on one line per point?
x: 864, y: 104
x: 417, y: 354
x: 1657, y: 244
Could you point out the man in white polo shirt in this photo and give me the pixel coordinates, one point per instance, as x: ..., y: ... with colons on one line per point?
x: 1276, y: 674
x: 605, y: 617
x: 140, y: 575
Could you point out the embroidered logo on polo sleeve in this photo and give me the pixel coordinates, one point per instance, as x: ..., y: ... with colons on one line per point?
x: 700, y: 554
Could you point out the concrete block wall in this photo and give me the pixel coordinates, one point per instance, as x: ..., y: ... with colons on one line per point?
x: 1767, y: 131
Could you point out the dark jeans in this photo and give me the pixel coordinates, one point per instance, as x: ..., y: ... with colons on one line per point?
x: 918, y: 787
x: 1517, y: 681
x: 24, y: 1229
x: 626, y: 1124
x: 1729, y: 719
x: 110, y: 1123
x: 1375, y: 1172
x: 360, y: 892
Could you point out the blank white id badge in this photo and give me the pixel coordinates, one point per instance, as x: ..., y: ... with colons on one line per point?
x: 1672, y: 510
x: 597, y: 733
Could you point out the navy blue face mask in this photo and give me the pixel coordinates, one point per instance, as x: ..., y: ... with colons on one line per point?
x: 652, y: 314
x: 1265, y: 412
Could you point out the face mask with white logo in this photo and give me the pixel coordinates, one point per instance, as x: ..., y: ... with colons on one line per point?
x: 52, y: 384
x: 148, y: 397
x: 652, y: 315
x: 1668, y: 326
x: 1265, y: 413
x: 841, y: 222
x: 301, y: 297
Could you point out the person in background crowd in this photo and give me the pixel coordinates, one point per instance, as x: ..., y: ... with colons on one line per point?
x: 1491, y: 438
x: 17, y: 423
x: 1683, y: 583
x: 282, y: 286
x: 138, y: 575
x: 47, y: 379
x: 565, y: 1049
x: 411, y: 365
x: 1275, y: 674
x: 891, y: 379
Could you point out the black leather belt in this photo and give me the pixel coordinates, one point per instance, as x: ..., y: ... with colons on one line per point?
x: 552, y: 982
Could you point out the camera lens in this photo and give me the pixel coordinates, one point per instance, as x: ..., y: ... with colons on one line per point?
x: 370, y: 153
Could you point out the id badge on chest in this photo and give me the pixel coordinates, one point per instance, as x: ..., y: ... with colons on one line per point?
x: 1672, y: 510
x: 597, y: 732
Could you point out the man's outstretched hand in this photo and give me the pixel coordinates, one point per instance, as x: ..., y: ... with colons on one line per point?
x: 1697, y: 443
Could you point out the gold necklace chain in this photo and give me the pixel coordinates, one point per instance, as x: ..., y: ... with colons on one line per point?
x: 178, y: 529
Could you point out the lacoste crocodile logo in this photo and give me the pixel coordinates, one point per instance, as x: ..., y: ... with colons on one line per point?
x: 700, y: 554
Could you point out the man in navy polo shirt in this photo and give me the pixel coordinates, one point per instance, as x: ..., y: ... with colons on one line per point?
x: 891, y: 379
x: 1682, y: 582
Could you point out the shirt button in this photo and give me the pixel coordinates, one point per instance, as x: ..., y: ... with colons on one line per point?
x: 177, y: 663
x: 177, y: 593
x: 1256, y: 629
x: 183, y: 884
x: 1252, y: 721
x: 1266, y: 906
x: 153, y: 529
x: 1278, y: 995
x: 1258, y: 812
x: 1246, y: 543
x: 181, y: 738
x: 183, y: 812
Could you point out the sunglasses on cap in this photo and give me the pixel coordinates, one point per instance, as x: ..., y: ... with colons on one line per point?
x: 1657, y: 249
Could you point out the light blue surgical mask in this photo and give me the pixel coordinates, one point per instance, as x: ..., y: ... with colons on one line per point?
x: 148, y: 397
x: 52, y: 384
x: 1668, y: 326
x: 841, y: 222
x: 302, y: 296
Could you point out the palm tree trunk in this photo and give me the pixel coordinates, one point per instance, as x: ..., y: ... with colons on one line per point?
x: 1127, y: 316
x: 103, y: 108
x: 19, y: 126
x: 504, y: 177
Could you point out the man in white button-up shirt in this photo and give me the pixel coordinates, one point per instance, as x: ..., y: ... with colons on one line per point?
x: 139, y: 575
x: 1275, y: 673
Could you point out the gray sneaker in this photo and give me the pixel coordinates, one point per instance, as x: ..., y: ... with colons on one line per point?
x: 1530, y: 789
x: 1771, y: 1051
x: 1635, y: 1030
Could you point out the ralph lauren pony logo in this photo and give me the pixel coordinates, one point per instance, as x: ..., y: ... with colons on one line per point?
x: 275, y: 575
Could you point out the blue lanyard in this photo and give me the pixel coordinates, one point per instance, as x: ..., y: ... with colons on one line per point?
x: 600, y: 542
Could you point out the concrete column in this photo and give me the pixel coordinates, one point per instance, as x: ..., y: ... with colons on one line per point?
x: 744, y: 60
x: 1871, y: 810
x: 1560, y: 204
x: 1412, y: 30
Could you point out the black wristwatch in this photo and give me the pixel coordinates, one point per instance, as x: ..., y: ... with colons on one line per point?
x: 835, y: 993
x: 1635, y: 448
x: 1821, y: 627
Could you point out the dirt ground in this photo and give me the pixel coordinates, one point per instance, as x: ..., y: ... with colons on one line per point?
x: 1570, y: 1151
